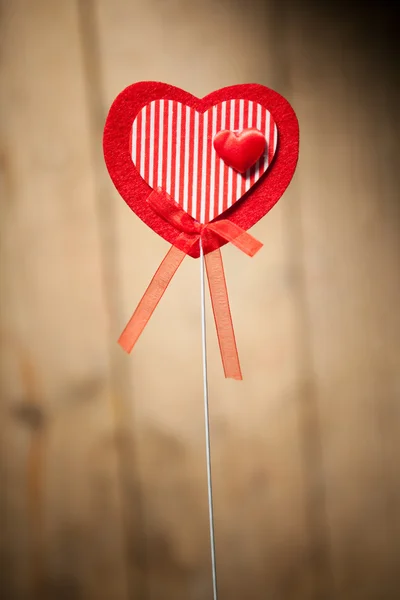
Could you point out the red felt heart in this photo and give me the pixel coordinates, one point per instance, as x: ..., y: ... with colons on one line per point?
x: 258, y: 200
x: 240, y: 149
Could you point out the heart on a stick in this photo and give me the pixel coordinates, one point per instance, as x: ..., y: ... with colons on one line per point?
x: 182, y: 158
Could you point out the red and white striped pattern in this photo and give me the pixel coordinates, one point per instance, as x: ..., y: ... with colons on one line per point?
x: 172, y: 147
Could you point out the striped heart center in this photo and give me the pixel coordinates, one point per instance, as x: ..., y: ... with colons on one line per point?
x: 172, y: 148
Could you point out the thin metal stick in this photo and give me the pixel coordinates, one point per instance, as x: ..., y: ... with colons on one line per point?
x: 207, y: 424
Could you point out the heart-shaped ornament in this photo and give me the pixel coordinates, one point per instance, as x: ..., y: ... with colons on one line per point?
x: 157, y: 135
x: 242, y: 149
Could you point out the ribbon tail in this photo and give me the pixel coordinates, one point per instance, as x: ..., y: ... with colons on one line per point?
x: 151, y: 298
x: 231, y: 232
x: 222, y: 314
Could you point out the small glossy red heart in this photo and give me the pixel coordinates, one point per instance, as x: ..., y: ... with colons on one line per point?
x: 240, y: 150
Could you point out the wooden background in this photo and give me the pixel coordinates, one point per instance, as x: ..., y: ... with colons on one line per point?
x: 103, y: 488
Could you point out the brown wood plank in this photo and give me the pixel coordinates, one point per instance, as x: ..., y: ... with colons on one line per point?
x: 347, y: 186
x: 60, y: 491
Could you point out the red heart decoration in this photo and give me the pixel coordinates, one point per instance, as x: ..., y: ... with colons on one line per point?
x: 240, y: 150
x: 260, y: 198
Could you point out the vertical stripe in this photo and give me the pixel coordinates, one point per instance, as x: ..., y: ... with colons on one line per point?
x: 224, y: 168
x: 218, y: 167
x: 138, y: 141
x: 268, y: 138
x: 164, y: 140
x: 188, y: 137
x: 222, y: 165
x: 260, y: 128
x: 245, y: 118
x: 134, y: 139
x: 254, y: 172
x: 195, y: 165
x: 271, y: 141
x: 155, y: 140
x: 160, y: 141
x: 239, y: 127
x: 178, y: 138
x: 173, y: 155
x: 261, y: 163
x: 250, y: 123
x: 147, y: 144
x: 143, y: 142
x: 250, y: 119
x: 183, y: 156
x: 230, y: 191
x: 203, y: 174
x: 169, y: 146
x: 214, y: 163
x: 258, y: 122
x: 191, y: 163
x: 151, y: 145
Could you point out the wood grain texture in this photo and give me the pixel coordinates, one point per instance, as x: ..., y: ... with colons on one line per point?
x: 61, y: 502
x: 103, y: 481
x: 349, y: 216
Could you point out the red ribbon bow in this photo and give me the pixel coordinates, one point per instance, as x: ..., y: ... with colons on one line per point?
x: 193, y: 232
